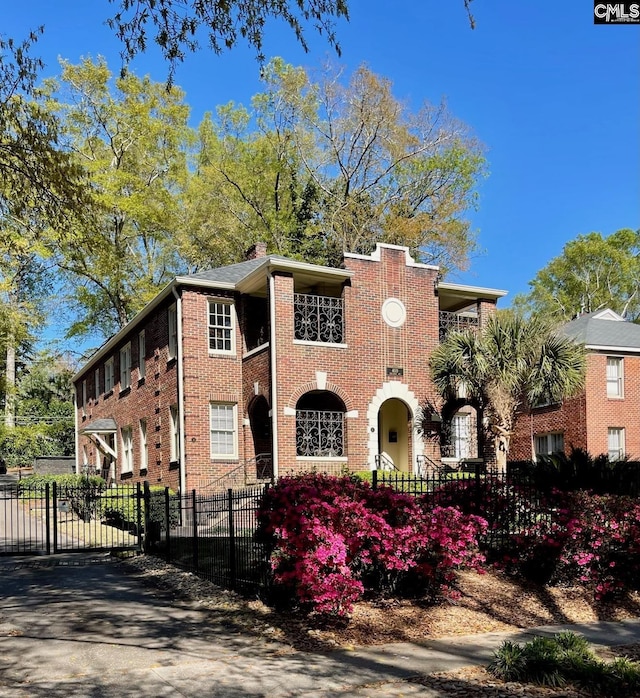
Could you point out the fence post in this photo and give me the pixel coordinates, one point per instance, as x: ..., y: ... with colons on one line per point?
x: 232, y: 541
x: 167, y: 520
x: 48, y: 518
x: 374, y: 479
x: 147, y: 516
x: 139, y: 515
x: 55, y: 517
x: 195, y: 529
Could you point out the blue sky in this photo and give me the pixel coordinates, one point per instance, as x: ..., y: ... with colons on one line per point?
x: 555, y: 100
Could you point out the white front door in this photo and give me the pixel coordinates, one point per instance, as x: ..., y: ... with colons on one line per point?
x: 461, y: 432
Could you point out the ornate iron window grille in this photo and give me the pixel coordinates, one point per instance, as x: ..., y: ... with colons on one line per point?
x: 320, y: 433
x: 318, y: 318
x: 453, y: 322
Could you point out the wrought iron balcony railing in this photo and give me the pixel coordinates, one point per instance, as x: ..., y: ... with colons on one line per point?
x: 319, y: 318
x: 454, y: 322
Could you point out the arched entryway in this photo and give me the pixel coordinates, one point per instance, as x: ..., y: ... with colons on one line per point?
x: 394, y: 434
x: 395, y: 408
x: 260, y: 424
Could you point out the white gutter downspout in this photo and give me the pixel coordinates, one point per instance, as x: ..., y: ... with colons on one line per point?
x: 180, y: 367
x: 274, y: 380
x: 75, y: 424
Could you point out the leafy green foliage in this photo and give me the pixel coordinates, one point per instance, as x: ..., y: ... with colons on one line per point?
x: 176, y: 25
x: 131, y: 135
x: 321, y: 165
x: 561, y: 659
x: 119, y: 507
x: 511, y: 362
x: 593, y: 272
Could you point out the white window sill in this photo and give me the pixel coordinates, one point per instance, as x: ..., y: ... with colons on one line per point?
x: 333, y: 345
x: 322, y: 459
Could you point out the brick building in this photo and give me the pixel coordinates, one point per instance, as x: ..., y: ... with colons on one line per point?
x: 605, y: 416
x: 273, y: 365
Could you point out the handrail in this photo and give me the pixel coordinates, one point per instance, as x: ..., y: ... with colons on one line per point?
x: 385, y: 463
x: 244, y: 466
x: 424, y: 462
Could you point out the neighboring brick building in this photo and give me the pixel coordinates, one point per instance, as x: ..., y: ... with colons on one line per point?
x: 276, y: 366
x: 605, y: 417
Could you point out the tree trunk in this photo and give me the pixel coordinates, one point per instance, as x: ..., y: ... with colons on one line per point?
x: 10, y: 383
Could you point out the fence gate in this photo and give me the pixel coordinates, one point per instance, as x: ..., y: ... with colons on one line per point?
x: 49, y: 519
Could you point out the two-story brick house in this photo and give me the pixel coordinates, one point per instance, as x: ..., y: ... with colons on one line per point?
x: 273, y: 365
x: 605, y: 417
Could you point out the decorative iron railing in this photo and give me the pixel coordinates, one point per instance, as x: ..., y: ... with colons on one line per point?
x: 450, y: 322
x: 318, y: 318
x: 320, y: 433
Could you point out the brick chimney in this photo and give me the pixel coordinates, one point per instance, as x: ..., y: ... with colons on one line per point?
x: 259, y: 249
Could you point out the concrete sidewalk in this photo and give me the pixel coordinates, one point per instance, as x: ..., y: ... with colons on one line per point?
x: 81, y: 625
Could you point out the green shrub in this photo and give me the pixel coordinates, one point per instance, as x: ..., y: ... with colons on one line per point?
x: 119, y: 507
x: 566, y: 657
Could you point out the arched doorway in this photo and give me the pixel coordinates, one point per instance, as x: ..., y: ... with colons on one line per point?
x: 260, y: 424
x: 394, y: 434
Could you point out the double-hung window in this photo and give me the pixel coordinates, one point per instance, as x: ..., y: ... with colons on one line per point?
x: 615, y: 377
x: 221, y: 327
x: 125, y: 367
x: 547, y: 444
x: 615, y: 443
x: 172, y: 319
x: 175, y: 434
x: 142, y: 350
x: 144, y: 447
x: 224, y: 440
x: 96, y: 387
x: 127, y: 450
x: 108, y: 375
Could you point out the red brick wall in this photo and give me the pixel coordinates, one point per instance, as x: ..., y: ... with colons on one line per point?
x: 356, y: 372
x: 148, y: 399
x: 585, y: 419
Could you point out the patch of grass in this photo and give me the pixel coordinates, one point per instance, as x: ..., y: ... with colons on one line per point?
x: 565, y: 658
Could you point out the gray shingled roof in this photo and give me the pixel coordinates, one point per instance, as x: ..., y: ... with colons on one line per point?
x: 234, y: 273
x: 99, y: 426
x: 602, y: 332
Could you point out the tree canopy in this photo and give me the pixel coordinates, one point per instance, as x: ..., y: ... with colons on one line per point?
x: 510, y: 363
x: 593, y: 272
x: 131, y: 136
x: 325, y: 164
x: 176, y: 27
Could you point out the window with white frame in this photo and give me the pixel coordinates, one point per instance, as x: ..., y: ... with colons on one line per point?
x: 142, y: 350
x: 144, y: 447
x: 173, y: 331
x: 96, y: 383
x: 224, y: 430
x: 84, y: 397
x: 108, y: 375
x: 175, y: 433
x: 615, y: 443
x: 125, y: 366
x: 548, y: 444
x: 127, y: 450
x: 221, y: 327
x: 614, y: 377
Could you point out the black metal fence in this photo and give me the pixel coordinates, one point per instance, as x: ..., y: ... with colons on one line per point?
x: 49, y: 518
x: 213, y: 536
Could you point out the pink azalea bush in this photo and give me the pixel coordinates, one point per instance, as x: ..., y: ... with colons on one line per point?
x: 335, y: 539
x: 586, y: 539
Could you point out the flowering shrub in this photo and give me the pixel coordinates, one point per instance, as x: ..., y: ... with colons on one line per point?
x: 334, y: 539
x: 585, y: 538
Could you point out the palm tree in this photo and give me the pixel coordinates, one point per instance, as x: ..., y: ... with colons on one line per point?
x: 510, y: 363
